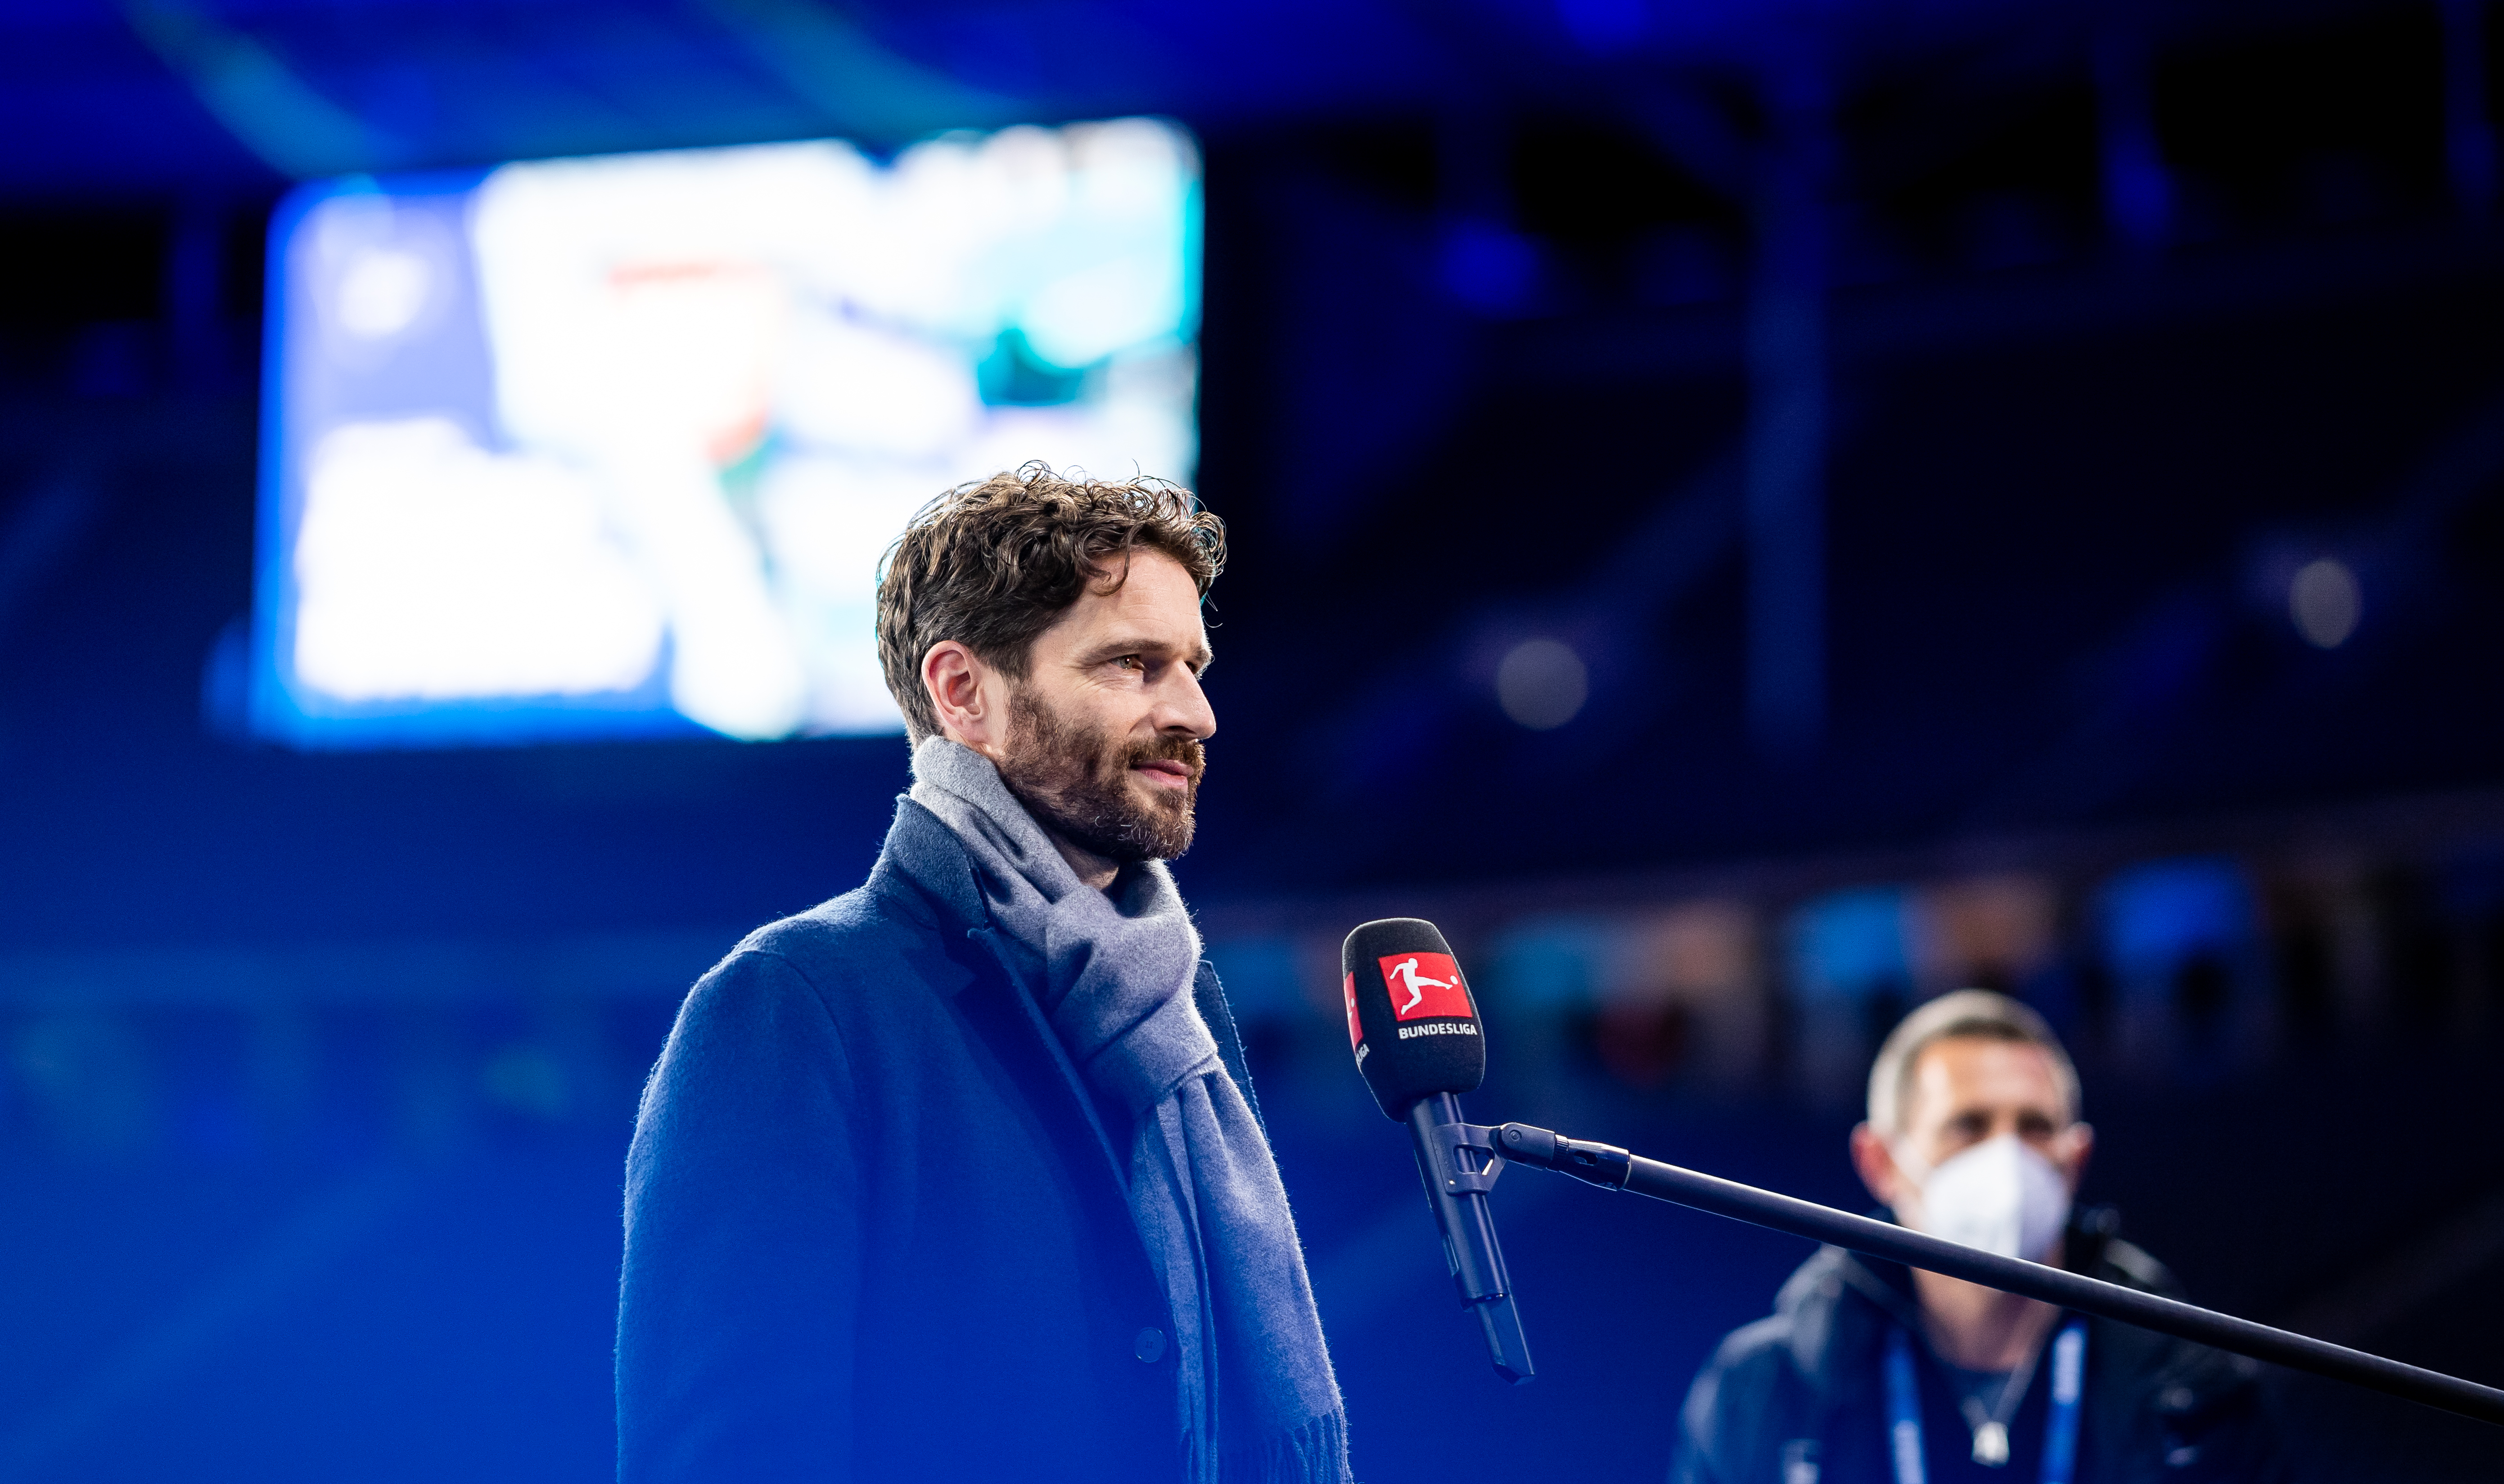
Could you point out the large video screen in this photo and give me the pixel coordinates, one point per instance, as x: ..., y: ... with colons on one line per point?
x: 613, y: 446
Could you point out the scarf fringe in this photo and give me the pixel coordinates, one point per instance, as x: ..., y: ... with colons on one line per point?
x: 1313, y: 1453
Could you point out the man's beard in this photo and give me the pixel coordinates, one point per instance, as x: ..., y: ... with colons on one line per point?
x: 1075, y: 779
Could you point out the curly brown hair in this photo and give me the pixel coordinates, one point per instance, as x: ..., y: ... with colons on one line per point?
x: 991, y: 563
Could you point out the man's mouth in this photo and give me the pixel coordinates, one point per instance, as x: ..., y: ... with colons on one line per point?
x: 1164, y: 772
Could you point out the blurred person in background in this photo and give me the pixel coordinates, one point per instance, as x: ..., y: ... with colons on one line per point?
x: 1868, y: 1372
x: 958, y: 1176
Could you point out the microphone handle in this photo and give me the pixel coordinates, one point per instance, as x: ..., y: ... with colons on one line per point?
x: 1459, y: 1200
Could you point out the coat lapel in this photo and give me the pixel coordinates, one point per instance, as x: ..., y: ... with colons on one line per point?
x: 922, y: 850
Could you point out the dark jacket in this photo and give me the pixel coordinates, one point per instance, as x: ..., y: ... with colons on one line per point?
x: 875, y: 1227
x: 1805, y: 1386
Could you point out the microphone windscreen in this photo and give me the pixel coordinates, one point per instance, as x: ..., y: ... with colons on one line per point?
x: 1410, y: 1017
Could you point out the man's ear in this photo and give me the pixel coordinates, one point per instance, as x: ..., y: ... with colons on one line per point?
x: 1875, y: 1165
x: 970, y: 697
x: 2071, y: 1148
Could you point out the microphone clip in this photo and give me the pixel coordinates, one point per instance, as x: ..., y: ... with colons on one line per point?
x: 1465, y: 1157
x: 1601, y: 1165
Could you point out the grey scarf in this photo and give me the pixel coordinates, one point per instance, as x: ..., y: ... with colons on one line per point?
x: 1113, y: 972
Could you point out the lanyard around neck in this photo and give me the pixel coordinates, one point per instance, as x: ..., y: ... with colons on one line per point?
x: 2060, y: 1425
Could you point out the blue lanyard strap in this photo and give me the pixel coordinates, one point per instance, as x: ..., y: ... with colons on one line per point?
x: 1903, y: 1410
x: 2060, y: 1421
x: 2069, y: 1386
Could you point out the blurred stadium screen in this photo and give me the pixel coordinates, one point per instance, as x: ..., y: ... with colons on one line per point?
x: 613, y: 446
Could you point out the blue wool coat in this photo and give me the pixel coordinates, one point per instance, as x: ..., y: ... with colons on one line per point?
x: 874, y: 1227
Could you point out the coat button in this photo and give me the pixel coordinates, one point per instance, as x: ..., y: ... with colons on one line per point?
x: 1150, y: 1346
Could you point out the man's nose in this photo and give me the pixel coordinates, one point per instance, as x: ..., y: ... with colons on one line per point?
x: 1183, y: 707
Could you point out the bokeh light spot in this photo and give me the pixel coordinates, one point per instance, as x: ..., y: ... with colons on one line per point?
x: 2325, y: 603
x: 1541, y: 685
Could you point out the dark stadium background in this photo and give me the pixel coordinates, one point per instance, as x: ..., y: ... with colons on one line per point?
x: 316, y: 1070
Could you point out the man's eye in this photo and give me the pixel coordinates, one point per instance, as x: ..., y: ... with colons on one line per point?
x: 1132, y: 662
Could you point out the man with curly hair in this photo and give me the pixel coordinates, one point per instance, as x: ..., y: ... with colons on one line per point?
x: 958, y: 1176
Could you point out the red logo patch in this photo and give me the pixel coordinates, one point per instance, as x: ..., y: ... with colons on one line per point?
x: 1355, y: 1031
x: 1425, y: 986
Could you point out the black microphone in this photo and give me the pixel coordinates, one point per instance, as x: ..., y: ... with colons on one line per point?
x: 1415, y: 1029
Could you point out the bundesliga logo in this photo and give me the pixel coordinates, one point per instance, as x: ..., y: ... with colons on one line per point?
x: 1425, y: 986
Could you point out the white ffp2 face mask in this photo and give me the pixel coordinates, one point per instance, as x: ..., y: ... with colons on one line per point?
x: 2001, y: 1196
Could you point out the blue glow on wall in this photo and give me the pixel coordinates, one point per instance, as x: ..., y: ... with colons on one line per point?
x: 613, y: 446
x: 1852, y: 945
